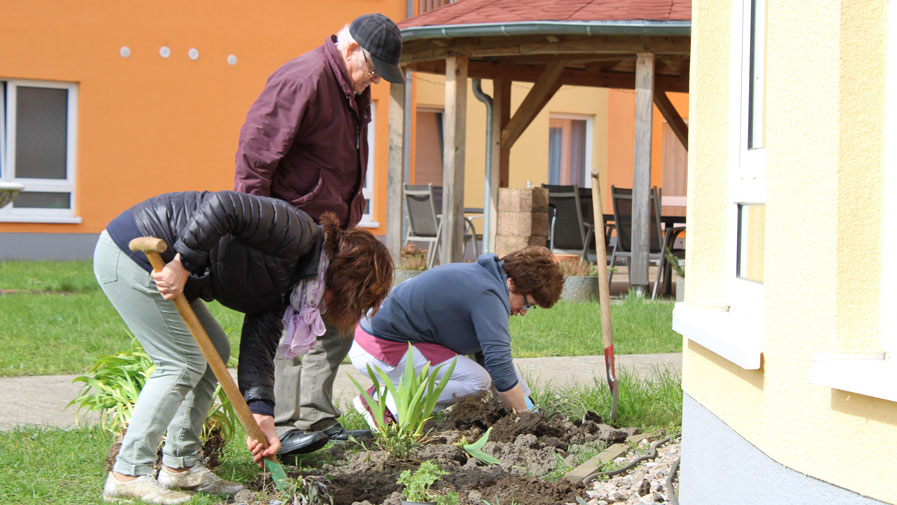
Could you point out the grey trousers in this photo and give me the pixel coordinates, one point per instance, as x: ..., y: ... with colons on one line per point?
x: 176, y: 398
x: 303, y: 386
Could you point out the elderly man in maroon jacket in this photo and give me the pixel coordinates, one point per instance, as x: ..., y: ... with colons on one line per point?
x: 305, y: 141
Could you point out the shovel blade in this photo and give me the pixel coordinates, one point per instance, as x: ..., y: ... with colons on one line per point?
x: 278, y: 475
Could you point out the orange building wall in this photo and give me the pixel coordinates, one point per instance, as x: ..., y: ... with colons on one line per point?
x: 620, y: 132
x: 147, y: 124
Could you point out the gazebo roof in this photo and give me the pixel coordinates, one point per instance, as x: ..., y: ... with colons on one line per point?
x: 516, y: 11
x: 597, y: 40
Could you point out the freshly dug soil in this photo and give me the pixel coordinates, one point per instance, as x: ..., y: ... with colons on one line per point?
x: 528, y: 446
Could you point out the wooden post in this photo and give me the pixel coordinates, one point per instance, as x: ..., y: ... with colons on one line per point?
x: 452, y: 247
x: 395, y: 170
x: 501, y: 114
x: 641, y: 174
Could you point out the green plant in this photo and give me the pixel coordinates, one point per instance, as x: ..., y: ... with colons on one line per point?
x: 415, y: 397
x: 476, y: 449
x: 449, y: 498
x: 311, y: 490
x: 417, y: 484
x: 113, y: 383
x: 674, y: 262
x: 576, y: 268
x: 412, y: 257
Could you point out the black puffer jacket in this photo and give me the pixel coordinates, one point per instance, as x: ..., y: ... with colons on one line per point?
x: 245, y: 251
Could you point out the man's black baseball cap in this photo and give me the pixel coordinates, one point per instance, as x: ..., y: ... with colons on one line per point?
x: 381, y: 37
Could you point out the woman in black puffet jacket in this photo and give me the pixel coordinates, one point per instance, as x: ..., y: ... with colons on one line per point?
x: 257, y: 255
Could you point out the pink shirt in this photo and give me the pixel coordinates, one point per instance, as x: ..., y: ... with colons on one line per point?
x: 392, y: 352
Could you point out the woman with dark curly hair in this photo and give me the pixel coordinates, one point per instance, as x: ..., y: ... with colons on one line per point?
x: 257, y: 255
x: 453, y: 310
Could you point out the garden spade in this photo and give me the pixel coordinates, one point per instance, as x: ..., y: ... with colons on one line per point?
x: 604, y: 295
x: 152, y: 247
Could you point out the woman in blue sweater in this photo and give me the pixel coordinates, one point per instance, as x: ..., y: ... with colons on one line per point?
x: 455, y: 310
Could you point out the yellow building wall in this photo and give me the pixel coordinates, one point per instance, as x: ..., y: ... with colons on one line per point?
x: 147, y: 124
x: 825, y: 102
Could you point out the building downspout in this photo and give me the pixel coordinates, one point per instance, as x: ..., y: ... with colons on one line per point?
x: 487, y: 200
x: 406, y: 135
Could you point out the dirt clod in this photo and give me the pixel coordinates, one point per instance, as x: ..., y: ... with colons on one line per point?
x: 528, y: 446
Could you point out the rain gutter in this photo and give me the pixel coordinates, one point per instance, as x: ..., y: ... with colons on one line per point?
x: 487, y: 200
x: 669, y: 28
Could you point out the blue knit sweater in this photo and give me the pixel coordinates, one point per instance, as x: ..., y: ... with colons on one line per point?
x: 462, y: 306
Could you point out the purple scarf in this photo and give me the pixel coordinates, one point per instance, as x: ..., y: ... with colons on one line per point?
x: 302, y: 322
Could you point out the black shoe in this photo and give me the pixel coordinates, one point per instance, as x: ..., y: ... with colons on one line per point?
x: 337, y: 433
x: 300, y: 442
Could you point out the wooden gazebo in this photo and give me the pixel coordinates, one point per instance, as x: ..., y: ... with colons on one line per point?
x: 628, y: 44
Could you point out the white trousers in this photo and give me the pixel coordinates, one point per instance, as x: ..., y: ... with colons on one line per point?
x: 467, y: 378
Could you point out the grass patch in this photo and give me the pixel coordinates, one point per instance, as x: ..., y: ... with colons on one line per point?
x: 53, y: 466
x: 70, y: 276
x: 574, y: 329
x: 648, y: 404
x: 60, y: 305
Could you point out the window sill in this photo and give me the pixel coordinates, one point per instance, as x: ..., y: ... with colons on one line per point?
x: 41, y: 219
x: 368, y: 224
x: 735, y: 338
x: 866, y: 374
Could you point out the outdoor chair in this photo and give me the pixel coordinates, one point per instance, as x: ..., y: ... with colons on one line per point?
x: 622, y: 204
x: 570, y: 219
x: 424, y: 206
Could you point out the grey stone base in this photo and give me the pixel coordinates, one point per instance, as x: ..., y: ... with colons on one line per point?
x: 720, y: 467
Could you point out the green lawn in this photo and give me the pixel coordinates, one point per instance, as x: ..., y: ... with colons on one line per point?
x: 54, y: 319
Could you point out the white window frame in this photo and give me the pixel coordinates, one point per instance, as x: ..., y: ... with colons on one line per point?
x: 587, y: 159
x: 367, y: 219
x: 7, y: 150
x: 734, y: 330
x: 875, y: 374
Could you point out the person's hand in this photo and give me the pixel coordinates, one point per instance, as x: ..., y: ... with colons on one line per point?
x: 259, y: 453
x: 171, y: 279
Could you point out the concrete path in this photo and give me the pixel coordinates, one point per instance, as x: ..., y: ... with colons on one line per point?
x: 41, y: 400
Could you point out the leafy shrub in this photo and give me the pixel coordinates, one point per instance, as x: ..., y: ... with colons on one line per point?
x: 417, y: 484
x: 113, y: 383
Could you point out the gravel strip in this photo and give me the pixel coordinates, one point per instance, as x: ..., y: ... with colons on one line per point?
x: 644, y: 484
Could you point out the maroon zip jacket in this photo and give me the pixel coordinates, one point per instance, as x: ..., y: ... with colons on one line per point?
x: 305, y: 138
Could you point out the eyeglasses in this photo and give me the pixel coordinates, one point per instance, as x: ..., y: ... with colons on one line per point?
x: 371, y: 71
x: 527, y: 305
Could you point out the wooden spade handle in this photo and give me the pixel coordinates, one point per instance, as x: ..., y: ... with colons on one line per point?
x: 152, y: 246
x: 607, y: 333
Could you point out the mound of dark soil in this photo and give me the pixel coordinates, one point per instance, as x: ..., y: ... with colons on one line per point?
x: 528, y: 445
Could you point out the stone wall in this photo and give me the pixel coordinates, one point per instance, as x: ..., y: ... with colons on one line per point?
x: 522, y: 219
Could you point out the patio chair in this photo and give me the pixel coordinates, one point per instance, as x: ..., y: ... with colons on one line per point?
x: 424, y: 205
x: 622, y: 204
x: 570, y: 219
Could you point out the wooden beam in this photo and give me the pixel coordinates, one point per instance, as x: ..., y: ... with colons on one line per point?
x: 455, y: 119
x: 677, y: 124
x: 526, y: 73
x: 502, y: 104
x: 501, y: 113
x: 641, y: 177
x: 479, y: 47
x: 395, y: 170
x: 543, y: 90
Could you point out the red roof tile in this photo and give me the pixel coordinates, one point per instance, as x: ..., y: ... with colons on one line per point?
x: 516, y: 11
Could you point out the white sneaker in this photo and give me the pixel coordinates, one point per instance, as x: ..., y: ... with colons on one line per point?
x: 198, y: 478
x: 144, y: 488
